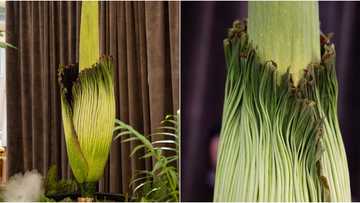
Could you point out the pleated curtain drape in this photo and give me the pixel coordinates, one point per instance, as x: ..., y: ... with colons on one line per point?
x: 142, y: 38
x: 46, y: 35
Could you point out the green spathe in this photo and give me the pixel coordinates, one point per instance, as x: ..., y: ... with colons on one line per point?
x: 88, y: 112
x: 279, y: 142
x: 287, y: 33
x: 88, y: 104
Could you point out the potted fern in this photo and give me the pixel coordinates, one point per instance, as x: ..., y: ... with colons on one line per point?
x: 161, y: 184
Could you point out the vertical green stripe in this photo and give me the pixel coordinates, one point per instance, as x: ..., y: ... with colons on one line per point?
x: 89, y: 34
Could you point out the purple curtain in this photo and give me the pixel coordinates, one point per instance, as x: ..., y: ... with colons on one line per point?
x: 204, y: 26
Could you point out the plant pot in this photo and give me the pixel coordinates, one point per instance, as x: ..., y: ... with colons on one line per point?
x: 85, y: 199
x: 98, y: 196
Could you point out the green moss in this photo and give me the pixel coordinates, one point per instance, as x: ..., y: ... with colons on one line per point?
x: 53, y: 186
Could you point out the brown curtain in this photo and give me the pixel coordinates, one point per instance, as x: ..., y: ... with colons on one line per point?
x: 143, y: 40
x: 46, y: 35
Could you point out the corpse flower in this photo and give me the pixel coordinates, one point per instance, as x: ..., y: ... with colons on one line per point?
x: 88, y: 113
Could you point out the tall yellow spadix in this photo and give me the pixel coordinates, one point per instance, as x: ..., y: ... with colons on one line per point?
x: 88, y: 105
x: 287, y: 33
x: 89, y: 34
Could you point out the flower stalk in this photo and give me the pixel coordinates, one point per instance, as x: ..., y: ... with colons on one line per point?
x: 88, y: 105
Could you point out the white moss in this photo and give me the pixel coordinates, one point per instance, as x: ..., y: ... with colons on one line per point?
x: 26, y: 187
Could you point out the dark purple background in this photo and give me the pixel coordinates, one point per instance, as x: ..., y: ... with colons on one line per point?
x: 203, y: 28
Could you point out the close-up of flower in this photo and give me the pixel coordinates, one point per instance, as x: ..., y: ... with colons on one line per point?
x: 88, y: 109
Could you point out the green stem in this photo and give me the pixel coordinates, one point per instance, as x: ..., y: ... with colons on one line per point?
x: 87, y: 189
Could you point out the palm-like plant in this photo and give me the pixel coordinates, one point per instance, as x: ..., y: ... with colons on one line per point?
x: 160, y: 183
x: 5, y: 44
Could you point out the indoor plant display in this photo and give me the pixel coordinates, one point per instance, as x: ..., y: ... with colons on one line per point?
x: 5, y: 44
x: 162, y: 182
x: 88, y: 105
x: 280, y: 137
